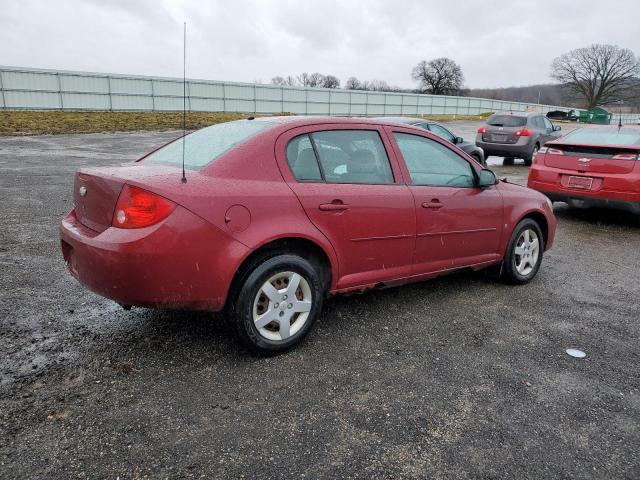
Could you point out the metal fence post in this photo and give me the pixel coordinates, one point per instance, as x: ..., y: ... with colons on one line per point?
x: 109, y: 93
x: 153, y: 97
x: 255, y: 99
x: 4, y: 99
x: 60, y: 90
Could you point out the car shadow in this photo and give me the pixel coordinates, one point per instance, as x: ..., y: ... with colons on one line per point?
x: 597, y: 216
x: 189, y: 338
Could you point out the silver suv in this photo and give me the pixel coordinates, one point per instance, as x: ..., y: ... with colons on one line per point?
x: 515, y: 135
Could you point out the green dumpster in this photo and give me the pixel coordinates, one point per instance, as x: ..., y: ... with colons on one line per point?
x: 595, y: 115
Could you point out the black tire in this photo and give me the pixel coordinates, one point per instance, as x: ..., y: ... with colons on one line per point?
x: 479, y: 159
x: 240, y: 312
x: 510, y: 273
x: 507, y: 161
x: 529, y: 158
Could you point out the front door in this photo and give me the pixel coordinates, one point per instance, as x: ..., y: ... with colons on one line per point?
x: 348, y: 189
x: 458, y: 223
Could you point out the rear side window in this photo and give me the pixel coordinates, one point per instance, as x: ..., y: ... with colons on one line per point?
x: 430, y: 163
x: 204, y: 146
x: 302, y: 159
x: 343, y: 156
x: 506, y: 121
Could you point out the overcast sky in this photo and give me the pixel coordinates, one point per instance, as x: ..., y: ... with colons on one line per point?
x: 497, y: 44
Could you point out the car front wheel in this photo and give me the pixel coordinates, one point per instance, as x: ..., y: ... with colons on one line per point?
x: 524, y: 253
x: 278, y: 303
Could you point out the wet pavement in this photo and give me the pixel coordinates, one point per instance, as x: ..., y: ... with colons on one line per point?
x: 459, y: 377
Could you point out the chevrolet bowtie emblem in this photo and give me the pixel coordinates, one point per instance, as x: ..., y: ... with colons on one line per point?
x: 584, y: 160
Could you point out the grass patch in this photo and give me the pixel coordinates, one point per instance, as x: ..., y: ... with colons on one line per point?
x: 52, y: 123
x: 20, y: 122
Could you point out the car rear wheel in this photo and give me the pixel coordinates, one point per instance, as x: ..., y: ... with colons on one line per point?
x: 529, y: 158
x: 524, y: 253
x: 278, y: 303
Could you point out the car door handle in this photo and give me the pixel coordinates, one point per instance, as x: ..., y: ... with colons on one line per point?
x: 335, y: 206
x: 433, y: 204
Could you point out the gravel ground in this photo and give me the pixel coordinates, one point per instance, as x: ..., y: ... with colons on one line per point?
x: 460, y: 377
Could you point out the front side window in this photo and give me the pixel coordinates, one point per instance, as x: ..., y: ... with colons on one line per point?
x: 345, y: 156
x: 442, y: 132
x: 430, y: 163
x: 204, y: 146
x: 547, y: 124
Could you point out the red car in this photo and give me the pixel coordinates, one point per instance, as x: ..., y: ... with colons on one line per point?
x: 592, y: 166
x: 277, y: 213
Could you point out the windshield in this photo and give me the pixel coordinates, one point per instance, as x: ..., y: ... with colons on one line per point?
x: 506, y: 121
x: 604, y: 136
x: 204, y: 146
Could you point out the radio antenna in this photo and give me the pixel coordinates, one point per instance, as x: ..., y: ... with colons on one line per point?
x: 184, y: 97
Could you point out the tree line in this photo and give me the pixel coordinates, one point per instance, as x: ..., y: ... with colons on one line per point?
x: 587, y: 77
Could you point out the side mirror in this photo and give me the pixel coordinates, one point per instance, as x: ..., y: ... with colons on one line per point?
x: 557, y: 128
x: 487, y: 179
x: 458, y: 140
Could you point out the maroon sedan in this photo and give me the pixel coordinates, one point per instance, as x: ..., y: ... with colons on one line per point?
x: 278, y: 213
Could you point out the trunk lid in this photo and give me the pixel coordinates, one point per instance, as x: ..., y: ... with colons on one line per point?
x: 590, y: 159
x: 96, y: 190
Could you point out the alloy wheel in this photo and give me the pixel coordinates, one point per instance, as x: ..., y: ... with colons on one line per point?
x: 527, y: 251
x: 282, y: 306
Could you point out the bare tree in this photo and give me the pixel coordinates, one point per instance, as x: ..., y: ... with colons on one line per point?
x: 303, y: 79
x: 353, y: 84
x: 441, y: 76
x: 316, y: 79
x: 331, y: 81
x: 599, y: 73
x: 287, y: 81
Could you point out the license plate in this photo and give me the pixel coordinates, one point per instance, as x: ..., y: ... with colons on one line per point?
x: 498, y: 138
x: 580, y: 182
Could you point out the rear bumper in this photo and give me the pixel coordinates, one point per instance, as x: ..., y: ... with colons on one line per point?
x: 589, y: 202
x: 580, y: 198
x: 181, y: 262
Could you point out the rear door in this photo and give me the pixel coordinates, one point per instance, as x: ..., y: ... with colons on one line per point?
x: 353, y: 192
x: 458, y: 224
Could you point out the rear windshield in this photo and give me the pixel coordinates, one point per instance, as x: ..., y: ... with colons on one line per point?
x: 604, y: 136
x: 205, y: 146
x: 506, y: 121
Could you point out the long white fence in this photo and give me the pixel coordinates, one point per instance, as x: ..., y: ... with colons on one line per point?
x: 37, y: 89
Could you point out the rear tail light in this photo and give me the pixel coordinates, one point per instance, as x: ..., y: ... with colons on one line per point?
x: 525, y: 132
x: 550, y: 151
x: 482, y: 130
x: 626, y: 156
x: 137, y: 208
